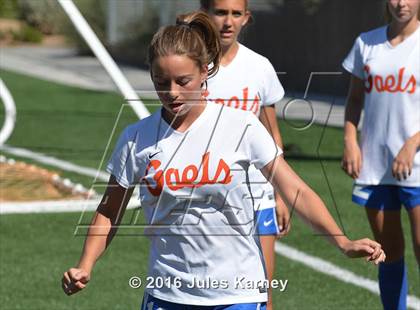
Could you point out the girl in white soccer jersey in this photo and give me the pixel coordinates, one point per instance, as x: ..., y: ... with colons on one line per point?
x: 247, y: 81
x: 385, y: 68
x: 190, y: 159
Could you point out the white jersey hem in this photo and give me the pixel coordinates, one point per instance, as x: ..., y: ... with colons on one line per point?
x: 377, y: 182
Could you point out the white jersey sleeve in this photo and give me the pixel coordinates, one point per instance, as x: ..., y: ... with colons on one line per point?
x: 354, y: 60
x: 123, y: 164
x: 273, y: 91
x: 261, y: 145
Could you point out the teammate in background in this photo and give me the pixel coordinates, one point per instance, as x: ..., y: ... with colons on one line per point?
x: 190, y: 159
x: 248, y: 81
x: 385, y: 81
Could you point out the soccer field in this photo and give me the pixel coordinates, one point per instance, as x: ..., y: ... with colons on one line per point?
x: 74, y: 125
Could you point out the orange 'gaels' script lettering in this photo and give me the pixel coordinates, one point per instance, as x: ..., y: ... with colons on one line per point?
x: 188, y: 178
x: 390, y: 83
x: 237, y: 103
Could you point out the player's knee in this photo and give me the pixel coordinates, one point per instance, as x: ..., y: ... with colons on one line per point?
x: 394, y: 251
x: 393, y: 244
x: 416, y: 243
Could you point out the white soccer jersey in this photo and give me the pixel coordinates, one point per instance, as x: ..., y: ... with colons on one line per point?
x: 248, y: 83
x: 392, y: 102
x: 195, y: 195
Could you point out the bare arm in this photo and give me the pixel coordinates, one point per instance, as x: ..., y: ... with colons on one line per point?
x: 101, y: 231
x: 403, y: 162
x: 416, y: 140
x: 309, y: 206
x: 352, y: 159
x: 268, y: 118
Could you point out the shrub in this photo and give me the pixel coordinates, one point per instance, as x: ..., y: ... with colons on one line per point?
x: 9, y: 9
x: 45, y: 15
x: 133, y: 49
x: 94, y: 11
x: 27, y: 34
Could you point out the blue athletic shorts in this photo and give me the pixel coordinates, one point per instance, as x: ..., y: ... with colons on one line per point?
x: 152, y: 303
x: 386, y: 197
x: 266, y: 222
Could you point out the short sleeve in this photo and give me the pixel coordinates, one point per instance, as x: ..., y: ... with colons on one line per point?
x: 354, y: 60
x: 262, y: 148
x: 273, y: 90
x: 123, y: 164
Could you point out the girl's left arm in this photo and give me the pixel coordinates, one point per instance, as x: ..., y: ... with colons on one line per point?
x: 299, y: 196
x: 268, y: 118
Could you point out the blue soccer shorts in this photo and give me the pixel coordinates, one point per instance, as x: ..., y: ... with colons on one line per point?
x: 386, y: 197
x: 266, y: 217
x: 266, y: 221
x: 152, y: 303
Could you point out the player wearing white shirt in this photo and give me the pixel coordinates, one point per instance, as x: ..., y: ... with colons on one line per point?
x: 248, y: 81
x: 385, y: 68
x: 193, y: 180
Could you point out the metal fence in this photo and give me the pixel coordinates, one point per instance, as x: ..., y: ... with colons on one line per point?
x: 299, y: 42
x: 298, y: 36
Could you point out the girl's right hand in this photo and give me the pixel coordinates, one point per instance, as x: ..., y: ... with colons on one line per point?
x: 74, y: 280
x: 352, y: 159
x: 367, y: 248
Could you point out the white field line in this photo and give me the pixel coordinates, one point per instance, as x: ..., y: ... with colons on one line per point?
x: 55, y: 206
x: 10, y: 113
x: 58, y: 205
x: 334, y: 271
x: 55, y: 162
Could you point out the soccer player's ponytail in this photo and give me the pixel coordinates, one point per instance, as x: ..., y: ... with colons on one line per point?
x: 194, y: 35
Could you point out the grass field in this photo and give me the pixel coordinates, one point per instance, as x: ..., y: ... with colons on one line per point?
x: 75, y: 125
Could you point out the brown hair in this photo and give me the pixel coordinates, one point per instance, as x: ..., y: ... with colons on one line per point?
x: 388, y: 15
x: 194, y: 35
x: 206, y: 5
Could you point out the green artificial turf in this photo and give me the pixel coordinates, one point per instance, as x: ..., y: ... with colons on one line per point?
x: 75, y: 125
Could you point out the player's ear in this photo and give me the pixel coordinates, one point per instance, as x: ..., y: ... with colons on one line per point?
x: 247, y: 18
x: 151, y: 72
x: 204, y: 72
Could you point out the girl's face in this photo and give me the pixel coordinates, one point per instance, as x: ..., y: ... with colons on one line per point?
x: 177, y: 80
x: 229, y: 17
x: 403, y: 10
